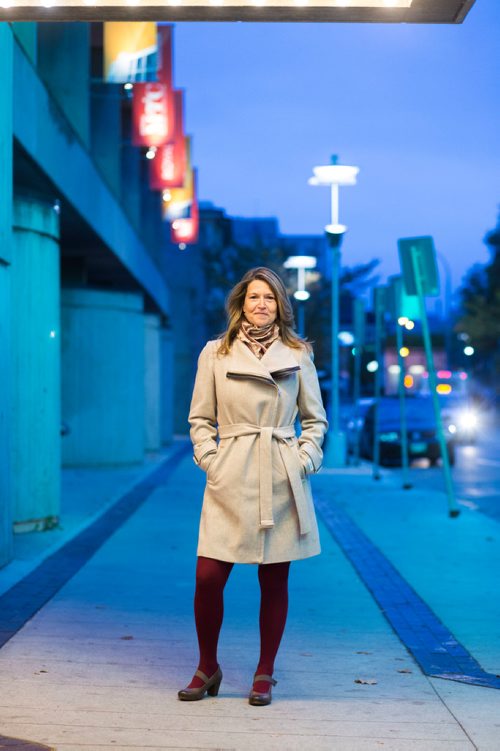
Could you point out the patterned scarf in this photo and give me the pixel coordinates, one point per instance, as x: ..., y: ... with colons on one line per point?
x: 258, y: 339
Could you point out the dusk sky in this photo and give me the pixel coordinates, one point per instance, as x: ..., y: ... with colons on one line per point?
x: 416, y: 108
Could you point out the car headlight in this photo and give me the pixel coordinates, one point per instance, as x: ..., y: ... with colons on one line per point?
x: 390, y: 437
x: 468, y: 419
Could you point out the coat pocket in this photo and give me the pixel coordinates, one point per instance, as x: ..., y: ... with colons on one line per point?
x: 301, y: 465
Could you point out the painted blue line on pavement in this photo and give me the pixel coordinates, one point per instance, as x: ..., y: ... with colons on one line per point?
x: 432, y: 645
x: 24, y: 599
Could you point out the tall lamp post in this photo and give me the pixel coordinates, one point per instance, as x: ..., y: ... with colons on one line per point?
x: 301, y: 263
x: 333, y: 176
x: 447, y: 306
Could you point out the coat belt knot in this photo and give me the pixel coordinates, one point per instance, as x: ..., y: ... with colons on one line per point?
x: 266, y: 436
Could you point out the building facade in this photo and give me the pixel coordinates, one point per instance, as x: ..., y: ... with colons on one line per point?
x: 95, y: 302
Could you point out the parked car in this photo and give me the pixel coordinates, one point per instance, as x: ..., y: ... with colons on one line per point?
x: 421, y: 426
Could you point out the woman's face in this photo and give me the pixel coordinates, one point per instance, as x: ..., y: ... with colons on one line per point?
x: 260, y: 306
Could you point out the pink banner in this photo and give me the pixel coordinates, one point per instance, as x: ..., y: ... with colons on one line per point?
x: 153, y: 117
x: 168, y: 168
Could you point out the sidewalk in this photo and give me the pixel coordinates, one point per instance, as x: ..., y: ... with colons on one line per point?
x: 99, y: 665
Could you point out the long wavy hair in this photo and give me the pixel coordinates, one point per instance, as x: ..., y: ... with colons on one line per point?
x: 284, y: 319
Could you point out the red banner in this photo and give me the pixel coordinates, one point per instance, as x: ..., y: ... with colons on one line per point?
x: 168, y: 168
x: 165, y: 55
x: 153, y: 120
x: 187, y: 230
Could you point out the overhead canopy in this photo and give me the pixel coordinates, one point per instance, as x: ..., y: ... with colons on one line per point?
x: 337, y: 11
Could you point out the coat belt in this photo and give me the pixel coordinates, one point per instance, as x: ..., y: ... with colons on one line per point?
x: 266, y: 435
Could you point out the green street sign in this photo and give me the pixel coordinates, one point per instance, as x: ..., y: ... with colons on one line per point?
x: 417, y: 255
x: 400, y: 304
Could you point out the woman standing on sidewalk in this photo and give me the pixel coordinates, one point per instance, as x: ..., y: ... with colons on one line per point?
x: 250, y: 386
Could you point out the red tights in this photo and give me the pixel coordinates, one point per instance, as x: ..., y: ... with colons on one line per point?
x: 211, y: 578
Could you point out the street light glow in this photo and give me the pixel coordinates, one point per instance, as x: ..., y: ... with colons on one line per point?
x: 302, y: 295
x: 336, y: 229
x: 346, y: 338
x: 334, y: 174
x: 404, y: 351
x: 372, y: 366
x: 468, y: 351
x: 300, y: 262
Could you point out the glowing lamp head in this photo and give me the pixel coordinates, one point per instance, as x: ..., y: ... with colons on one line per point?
x: 302, y: 295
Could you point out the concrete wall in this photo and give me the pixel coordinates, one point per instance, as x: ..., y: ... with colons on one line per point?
x: 167, y: 385
x: 152, y: 382
x: 63, y: 61
x: 6, y: 54
x: 36, y: 389
x: 26, y: 34
x: 103, y: 377
x: 106, y: 133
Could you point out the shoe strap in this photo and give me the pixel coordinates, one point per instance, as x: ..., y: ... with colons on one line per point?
x: 267, y: 678
x: 201, y: 674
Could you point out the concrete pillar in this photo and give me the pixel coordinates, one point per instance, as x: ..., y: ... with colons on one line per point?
x: 102, y: 377
x: 36, y: 359
x: 152, y: 390
x: 167, y: 385
x: 6, y: 51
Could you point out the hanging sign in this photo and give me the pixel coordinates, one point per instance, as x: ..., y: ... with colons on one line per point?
x: 130, y: 51
x: 168, y: 168
x: 177, y: 202
x: 186, y: 230
x: 165, y: 54
x: 172, y: 161
x: 153, y: 121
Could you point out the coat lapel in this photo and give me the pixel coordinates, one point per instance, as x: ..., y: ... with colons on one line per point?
x: 278, y: 359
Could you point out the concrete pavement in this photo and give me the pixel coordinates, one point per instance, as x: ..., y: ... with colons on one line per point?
x: 99, y: 665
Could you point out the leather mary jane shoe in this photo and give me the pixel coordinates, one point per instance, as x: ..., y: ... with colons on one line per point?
x: 210, y: 687
x: 258, y: 698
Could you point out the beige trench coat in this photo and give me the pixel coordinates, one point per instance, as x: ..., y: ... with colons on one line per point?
x: 257, y: 506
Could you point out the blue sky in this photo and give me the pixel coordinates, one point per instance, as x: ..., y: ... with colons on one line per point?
x: 415, y: 107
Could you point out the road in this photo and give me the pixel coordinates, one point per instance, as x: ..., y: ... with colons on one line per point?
x: 476, y: 474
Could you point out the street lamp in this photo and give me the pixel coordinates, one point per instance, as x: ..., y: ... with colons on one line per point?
x: 333, y: 176
x: 301, y: 263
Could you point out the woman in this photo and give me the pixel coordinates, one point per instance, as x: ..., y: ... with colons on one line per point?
x: 257, y: 508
